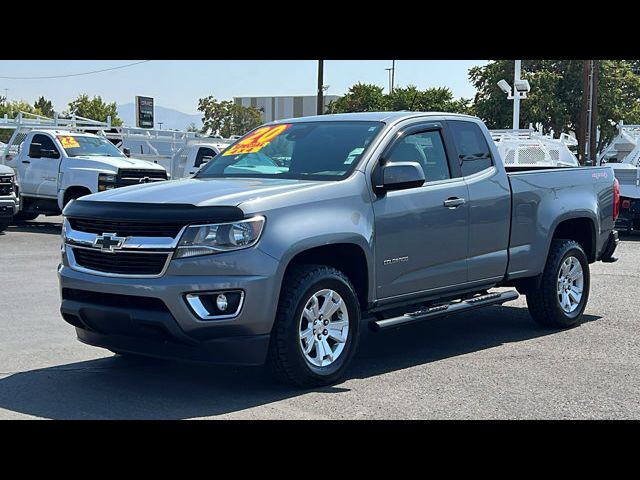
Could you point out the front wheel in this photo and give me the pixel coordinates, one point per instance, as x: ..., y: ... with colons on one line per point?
x: 564, y: 289
x: 316, y: 331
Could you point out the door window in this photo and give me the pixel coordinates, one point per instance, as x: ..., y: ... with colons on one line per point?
x: 204, y: 152
x: 49, y: 149
x: 427, y: 149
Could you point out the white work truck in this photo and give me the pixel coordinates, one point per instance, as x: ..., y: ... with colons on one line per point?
x: 56, y: 166
x: 180, y: 153
x: 56, y: 160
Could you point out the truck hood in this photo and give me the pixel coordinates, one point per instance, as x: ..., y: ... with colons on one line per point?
x: 117, y: 162
x: 203, y: 192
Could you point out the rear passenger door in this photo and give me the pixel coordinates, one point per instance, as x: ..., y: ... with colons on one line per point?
x: 489, y: 201
x: 421, y: 233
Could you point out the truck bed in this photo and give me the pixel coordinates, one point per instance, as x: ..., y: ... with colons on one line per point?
x: 543, y: 198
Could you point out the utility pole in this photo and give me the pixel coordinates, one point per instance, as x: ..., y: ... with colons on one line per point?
x: 393, y: 75
x: 516, y: 98
x: 160, y: 123
x: 589, y: 112
x: 320, y: 102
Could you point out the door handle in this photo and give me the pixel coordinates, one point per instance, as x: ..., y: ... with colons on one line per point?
x: 26, y: 161
x: 453, y: 202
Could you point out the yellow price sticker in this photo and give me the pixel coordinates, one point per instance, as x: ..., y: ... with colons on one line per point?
x: 68, y: 141
x: 257, y: 140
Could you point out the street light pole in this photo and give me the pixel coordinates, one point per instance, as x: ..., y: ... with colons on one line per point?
x: 516, y: 95
x: 393, y: 75
x: 320, y: 102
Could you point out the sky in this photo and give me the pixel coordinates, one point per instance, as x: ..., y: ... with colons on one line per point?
x: 179, y: 84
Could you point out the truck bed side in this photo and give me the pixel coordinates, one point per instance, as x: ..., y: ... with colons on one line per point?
x: 543, y: 199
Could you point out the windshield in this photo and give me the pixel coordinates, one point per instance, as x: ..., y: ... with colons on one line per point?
x: 306, y: 150
x: 76, y: 146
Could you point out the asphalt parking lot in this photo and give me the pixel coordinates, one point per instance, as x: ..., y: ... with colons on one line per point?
x: 489, y: 364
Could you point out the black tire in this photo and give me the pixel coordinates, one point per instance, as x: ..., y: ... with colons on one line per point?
x: 543, y: 302
x: 4, y: 224
x: 286, y: 359
x: 25, y: 216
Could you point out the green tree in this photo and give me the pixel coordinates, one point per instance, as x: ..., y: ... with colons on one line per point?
x: 94, y: 109
x: 45, y: 106
x: 193, y: 128
x: 370, y: 98
x: 361, y: 97
x: 556, y: 95
x: 227, y: 118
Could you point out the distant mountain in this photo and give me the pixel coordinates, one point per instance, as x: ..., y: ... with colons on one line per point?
x: 170, y: 118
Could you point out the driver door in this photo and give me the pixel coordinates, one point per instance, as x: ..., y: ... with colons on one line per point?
x: 421, y: 238
x: 40, y: 175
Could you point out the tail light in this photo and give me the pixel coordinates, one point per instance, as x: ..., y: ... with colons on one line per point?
x: 616, y: 198
x: 626, y: 203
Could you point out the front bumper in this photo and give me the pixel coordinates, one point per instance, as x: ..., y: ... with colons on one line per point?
x: 8, y: 208
x: 161, y: 323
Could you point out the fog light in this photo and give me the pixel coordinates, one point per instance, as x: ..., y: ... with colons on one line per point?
x: 216, y: 305
x: 221, y: 302
x: 626, y: 203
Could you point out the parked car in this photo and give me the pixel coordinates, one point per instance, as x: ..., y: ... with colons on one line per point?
x: 379, y: 220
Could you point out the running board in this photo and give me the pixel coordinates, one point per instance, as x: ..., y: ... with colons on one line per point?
x: 445, y: 310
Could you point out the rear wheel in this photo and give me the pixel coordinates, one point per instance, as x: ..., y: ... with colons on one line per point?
x: 564, y: 289
x: 316, y: 331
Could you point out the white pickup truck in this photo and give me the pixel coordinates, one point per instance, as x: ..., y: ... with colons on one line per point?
x: 56, y: 166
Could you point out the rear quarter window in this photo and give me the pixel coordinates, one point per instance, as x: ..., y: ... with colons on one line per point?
x: 473, y: 151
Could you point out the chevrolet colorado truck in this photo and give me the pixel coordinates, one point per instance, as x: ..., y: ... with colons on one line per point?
x: 373, y: 219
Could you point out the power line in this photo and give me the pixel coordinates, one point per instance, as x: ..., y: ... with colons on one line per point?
x: 76, y: 74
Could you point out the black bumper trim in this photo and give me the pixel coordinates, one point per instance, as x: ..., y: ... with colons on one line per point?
x: 6, y: 211
x: 156, y: 333
x: 242, y: 350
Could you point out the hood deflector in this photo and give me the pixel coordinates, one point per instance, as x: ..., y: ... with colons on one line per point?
x: 151, y: 213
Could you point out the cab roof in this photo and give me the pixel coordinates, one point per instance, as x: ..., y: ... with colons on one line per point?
x: 54, y: 132
x: 387, y: 117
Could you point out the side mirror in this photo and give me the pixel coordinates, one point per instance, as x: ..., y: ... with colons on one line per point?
x: 400, y: 176
x: 127, y: 152
x: 35, y: 150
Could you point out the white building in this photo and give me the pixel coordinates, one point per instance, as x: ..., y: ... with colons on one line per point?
x: 277, y: 108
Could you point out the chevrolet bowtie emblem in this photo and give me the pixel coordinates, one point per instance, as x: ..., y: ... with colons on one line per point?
x: 108, y: 242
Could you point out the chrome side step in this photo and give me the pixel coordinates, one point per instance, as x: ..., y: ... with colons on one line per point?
x: 445, y: 310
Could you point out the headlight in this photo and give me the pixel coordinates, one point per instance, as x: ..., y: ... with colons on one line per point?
x: 106, y: 181
x: 219, y: 237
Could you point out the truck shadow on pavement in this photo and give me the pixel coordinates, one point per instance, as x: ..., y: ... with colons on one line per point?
x: 124, y: 388
x: 36, y: 227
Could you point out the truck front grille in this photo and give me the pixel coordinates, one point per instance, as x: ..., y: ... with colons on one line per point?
x: 121, y: 263
x: 135, y: 177
x: 6, y: 186
x: 127, y: 229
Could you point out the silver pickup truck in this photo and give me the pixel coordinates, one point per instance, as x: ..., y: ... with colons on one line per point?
x: 300, y: 234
